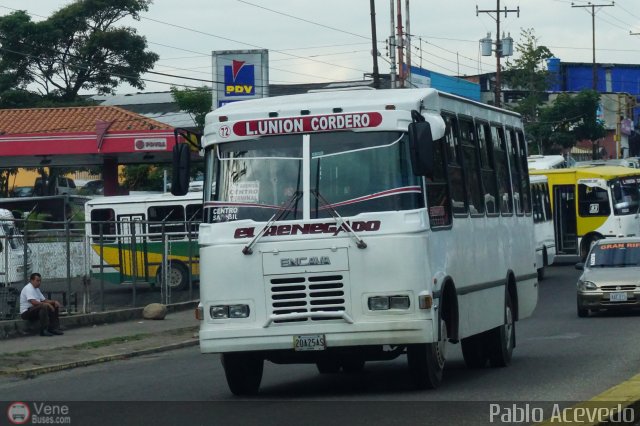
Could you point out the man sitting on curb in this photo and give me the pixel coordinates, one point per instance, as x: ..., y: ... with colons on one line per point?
x: 34, y: 306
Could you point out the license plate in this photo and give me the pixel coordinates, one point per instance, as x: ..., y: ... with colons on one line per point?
x: 618, y: 297
x: 311, y: 342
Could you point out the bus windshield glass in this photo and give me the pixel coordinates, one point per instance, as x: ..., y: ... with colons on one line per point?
x: 626, y: 195
x: 350, y: 173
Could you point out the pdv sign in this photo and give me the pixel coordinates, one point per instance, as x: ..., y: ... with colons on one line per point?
x: 239, y: 79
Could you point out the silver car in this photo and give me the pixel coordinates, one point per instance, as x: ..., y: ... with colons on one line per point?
x: 610, y: 277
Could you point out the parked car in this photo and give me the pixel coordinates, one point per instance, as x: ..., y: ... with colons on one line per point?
x: 64, y: 186
x: 22, y: 191
x: 610, y: 276
x: 197, y: 184
x: 93, y: 187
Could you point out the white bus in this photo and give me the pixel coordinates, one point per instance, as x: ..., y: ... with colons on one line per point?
x: 14, y: 266
x: 127, y: 246
x: 351, y: 226
x: 542, y: 223
x: 544, y: 162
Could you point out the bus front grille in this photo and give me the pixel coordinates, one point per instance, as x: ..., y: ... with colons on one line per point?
x: 307, y: 294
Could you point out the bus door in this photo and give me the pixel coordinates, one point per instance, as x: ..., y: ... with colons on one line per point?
x: 565, y: 219
x: 132, y: 248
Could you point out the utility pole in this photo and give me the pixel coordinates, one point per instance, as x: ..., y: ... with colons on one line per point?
x: 407, y: 33
x: 499, y: 52
x: 593, y: 36
x: 392, y: 46
x: 400, y: 38
x: 374, y: 41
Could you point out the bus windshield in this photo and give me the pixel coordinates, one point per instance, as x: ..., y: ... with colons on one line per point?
x: 350, y: 172
x: 626, y: 195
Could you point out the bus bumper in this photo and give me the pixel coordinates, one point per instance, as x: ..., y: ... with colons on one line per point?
x: 282, y: 338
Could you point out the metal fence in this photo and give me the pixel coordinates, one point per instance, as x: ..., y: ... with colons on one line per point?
x: 99, y: 266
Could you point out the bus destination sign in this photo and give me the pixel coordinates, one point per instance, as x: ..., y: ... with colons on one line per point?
x: 307, y: 124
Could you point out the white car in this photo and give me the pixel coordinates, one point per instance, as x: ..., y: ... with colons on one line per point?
x: 197, y: 184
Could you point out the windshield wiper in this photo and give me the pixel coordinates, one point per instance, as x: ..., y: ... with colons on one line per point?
x: 248, y: 249
x: 339, y: 220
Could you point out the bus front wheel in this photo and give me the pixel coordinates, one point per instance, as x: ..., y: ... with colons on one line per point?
x: 243, y: 372
x: 426, y: 361
x: 177, y: 276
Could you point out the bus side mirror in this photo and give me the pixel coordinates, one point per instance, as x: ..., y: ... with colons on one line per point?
x: 180, y: 170
x: 421, y: 148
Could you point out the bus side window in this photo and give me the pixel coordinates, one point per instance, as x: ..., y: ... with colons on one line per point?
x: 103, y: 222
x: 454, y: 166
x: 502, y: 169
x: 173, y: 218
x: 593, y: 201
x: 524, y: 172
x: 439, y: 206
x: 514, y: 166
x: 194, y: 217
x: 487, y: 169
x: 471, y: 162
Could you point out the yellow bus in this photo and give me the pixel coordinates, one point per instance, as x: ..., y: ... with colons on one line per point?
x: 590, y: 203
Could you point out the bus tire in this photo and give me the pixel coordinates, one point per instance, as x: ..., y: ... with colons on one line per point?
x: 473, y: 351
x: 426, y: 361
x: 541, y: 274
x: 328, y: 366
x: 243, y: 372
x: 501, y: 340
x: 178, y: 276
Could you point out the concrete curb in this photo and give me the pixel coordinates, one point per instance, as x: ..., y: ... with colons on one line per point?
x: 37, y: 371
x: 614, y: 401
x: 19, y: 327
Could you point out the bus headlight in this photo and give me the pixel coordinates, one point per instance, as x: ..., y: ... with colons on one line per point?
x: 229, y: 311
x: 384, y: 303
x: 586, y: 286
x: 238, y: 311
x: 219, y: 312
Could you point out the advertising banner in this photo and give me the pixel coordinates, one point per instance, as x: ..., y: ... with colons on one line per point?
x: 239, y: 75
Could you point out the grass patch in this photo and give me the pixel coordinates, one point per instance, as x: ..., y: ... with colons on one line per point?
x: 111, y: 341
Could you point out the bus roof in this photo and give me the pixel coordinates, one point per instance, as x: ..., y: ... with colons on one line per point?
x: 341, y: 110
x: 144, y: 198
x: 323, y: 102
x: 589, y: 172
x: 540, y: 162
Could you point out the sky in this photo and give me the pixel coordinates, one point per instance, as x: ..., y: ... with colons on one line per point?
x: 311, y: 41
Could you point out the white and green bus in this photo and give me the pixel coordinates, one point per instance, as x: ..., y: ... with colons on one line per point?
x: 129, y: 238
x: 361, y: 225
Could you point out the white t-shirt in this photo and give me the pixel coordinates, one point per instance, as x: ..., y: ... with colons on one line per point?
x: 29, y: 292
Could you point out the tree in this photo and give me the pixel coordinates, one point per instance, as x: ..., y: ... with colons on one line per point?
x: 570, y: 118
x: 79, y: 47
x: 528, y: 72
x: 197, y: 102
x: 143, y: 177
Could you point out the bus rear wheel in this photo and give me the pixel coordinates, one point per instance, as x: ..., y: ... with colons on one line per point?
x: 177, y: 276
x: 426, y: 361
x: 501, y: 340
x: 243, y: 372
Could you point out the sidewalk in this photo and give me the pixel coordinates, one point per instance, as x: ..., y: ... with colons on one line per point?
x: 32, y: 355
